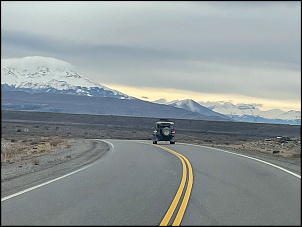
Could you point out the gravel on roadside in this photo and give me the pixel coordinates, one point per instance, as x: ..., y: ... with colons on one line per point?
x: 20, y: 175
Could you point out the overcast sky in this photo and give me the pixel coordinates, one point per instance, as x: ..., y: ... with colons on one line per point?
x: 247, y: 52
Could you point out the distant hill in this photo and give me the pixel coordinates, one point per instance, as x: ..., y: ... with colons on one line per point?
x: 64, y: 103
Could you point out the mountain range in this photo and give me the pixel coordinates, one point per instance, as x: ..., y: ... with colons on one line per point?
x: 240, y: 112
x: 51, y: 85
x: 65, y: 103
x: 47, y: 84
x: 191, y: 105
x: 252, y: 113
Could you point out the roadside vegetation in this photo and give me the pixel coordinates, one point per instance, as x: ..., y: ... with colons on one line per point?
x: 289, y: 148
x: 18, y: 149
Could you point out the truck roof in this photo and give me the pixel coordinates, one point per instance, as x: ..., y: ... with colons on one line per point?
x: 165, y: 122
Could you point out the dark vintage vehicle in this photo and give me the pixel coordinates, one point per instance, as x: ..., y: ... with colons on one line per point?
x: 164, y: 131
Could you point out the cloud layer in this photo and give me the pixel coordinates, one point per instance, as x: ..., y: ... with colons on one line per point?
x: 251, y: 49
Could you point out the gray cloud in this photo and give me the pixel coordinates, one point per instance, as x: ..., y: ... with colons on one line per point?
x: 247, y: 48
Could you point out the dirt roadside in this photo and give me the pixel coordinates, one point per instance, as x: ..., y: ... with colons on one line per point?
x: 24, y: 171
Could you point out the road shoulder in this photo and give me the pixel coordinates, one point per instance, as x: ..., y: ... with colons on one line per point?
x: 25, y: 174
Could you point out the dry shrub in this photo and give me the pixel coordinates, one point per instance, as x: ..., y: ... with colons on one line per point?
x: 27, y: 148
x: 56, y: 141
x: 11, y: 151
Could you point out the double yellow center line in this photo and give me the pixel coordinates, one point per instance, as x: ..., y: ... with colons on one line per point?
x: 185, y: 163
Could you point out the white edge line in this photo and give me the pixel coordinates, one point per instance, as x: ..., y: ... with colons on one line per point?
x: 108, y: 143
x: 40, y: 185
x: 259, y: 160
x: 48, y: 182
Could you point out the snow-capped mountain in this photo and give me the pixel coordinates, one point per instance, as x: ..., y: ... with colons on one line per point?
x: 243, y: 112
x: 191, y: 105
x: 241, y: 109
x: 38, y: 74
x: 238, y: 112
x: 279, y: 114
x: 229, y: 108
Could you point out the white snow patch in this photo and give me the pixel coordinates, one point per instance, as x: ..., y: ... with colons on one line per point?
x: 38, y: 72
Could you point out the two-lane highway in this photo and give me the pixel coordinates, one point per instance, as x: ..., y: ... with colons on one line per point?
x: 138, y: 183
x: 234, y: 189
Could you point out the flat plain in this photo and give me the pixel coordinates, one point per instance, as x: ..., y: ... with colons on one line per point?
x: 36, y: 146
x: 28, y: 134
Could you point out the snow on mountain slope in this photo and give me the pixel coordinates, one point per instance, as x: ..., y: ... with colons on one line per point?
x: 242, y: 111
x: 161, y: 101
x: 230, y: 109
x: 45, y: 74
x: 191, y: 105
x: 279, y: 114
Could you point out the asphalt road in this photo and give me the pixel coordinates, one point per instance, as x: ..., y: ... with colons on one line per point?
x: 138, y: 183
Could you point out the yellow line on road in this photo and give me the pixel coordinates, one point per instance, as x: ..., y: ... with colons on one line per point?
x: 185, y: 200
x: 174, y: 203
x: 176, y: 199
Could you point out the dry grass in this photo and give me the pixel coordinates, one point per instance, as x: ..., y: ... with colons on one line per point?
x: 290, y: 149
x: 14, y: 150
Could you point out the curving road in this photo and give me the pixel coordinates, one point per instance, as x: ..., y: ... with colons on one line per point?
x: 138, y: 183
